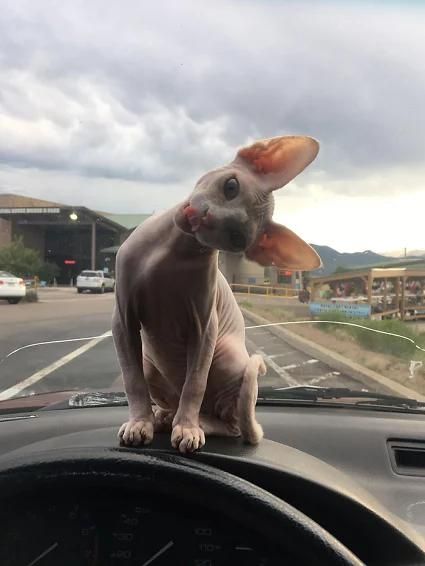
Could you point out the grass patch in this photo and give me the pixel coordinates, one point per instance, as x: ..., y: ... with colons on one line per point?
x: 375, y: 341
x: 272, y: 312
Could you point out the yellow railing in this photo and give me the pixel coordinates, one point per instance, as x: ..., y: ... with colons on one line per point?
x: 266, y: 290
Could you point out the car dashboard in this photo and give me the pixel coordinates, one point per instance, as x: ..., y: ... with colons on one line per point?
x: 338, y: 466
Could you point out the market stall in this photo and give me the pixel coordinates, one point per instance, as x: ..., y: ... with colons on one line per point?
x: 388, y: 293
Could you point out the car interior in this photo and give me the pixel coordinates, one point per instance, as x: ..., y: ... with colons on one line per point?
x: 214, y: 210
x: 296, y: 498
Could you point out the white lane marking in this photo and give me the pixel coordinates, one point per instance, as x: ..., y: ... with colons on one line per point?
x: 319, y: 379
x: 39, y: 375
x: 279, y: 370
x: 270, y: 362
x: 109, y: 333
x: 293, y: 366
x: 159, y: 553
x: 283, y: 355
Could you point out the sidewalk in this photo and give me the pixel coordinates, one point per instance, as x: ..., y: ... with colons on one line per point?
x: 65, y: 288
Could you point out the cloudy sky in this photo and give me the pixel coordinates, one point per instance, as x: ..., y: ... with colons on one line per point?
x: 121, y: 106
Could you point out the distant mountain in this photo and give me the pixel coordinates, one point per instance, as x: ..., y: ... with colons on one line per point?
x: 400, y: 253
x: 333, y: 259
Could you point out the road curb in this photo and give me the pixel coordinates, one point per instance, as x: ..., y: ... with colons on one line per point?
x: 333, y: 359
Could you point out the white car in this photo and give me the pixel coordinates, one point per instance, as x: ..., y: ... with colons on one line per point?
x: 12, y: 288
x: 95, y: 281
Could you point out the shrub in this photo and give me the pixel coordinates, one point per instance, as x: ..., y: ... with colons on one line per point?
x: 19, y: 260
x: 377, y: 341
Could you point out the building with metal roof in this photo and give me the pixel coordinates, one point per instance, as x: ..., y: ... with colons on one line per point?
x: 129, y: 221
x: 70, y: 236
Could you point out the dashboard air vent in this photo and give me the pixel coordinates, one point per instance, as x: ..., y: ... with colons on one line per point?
x: 407, y: 457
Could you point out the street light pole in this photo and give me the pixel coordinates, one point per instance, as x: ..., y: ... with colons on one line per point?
x: 93, y: 245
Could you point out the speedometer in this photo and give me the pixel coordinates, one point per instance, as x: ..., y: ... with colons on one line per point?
x: 150, y: 532
x: 46, y: 533
x: 108, y: 528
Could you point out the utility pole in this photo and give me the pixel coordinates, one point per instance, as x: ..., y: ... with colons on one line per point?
x: 93, y: 245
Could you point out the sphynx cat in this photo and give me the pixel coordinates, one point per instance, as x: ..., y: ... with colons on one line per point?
x: 177, y: 328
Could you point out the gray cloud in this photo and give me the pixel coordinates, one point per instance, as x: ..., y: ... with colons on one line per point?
x: 158, y: 94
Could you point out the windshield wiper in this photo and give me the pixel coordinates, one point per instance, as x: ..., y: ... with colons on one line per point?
x: 98, y: 399
x: 298, y: 393
x: 355, y: 397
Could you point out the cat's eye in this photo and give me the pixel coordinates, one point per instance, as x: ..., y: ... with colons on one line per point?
x: 231, y: 188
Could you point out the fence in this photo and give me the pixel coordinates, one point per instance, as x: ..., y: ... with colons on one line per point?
x: 266, y: 290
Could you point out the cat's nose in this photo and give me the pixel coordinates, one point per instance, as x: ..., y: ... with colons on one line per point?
x: 237, y: 240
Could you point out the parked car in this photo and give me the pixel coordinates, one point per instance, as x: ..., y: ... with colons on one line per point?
x: 12, y: 288
x: 95, y: 281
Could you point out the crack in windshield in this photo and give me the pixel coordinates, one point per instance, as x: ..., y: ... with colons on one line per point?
x: 290, y: 373
x: 286, y: 323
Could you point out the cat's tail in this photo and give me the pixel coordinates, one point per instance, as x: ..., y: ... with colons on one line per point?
x: 251, y: 430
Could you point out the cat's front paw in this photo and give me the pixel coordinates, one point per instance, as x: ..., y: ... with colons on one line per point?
x: 187, y: 438
x: 136, y: 431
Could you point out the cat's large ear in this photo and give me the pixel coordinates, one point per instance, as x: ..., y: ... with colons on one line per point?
x: 276, y: 161
x: 281, y: 247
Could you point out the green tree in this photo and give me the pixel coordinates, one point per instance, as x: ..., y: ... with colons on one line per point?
x: 19, y: 260
x: 341, y: 269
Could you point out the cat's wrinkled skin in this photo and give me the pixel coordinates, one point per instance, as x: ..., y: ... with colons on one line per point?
x: 178, y: 331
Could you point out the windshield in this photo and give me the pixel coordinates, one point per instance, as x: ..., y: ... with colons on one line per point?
x: 101, y: 130
x: 90, y: 274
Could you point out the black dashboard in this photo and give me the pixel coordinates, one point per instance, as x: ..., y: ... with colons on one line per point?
x: 333, y: 465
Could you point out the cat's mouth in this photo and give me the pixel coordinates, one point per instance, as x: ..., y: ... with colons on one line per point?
x: 197, y: 217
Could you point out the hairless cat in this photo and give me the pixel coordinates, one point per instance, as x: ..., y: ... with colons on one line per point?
x: 177, y: 328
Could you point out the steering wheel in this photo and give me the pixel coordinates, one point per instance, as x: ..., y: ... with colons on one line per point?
x: 176, y: 479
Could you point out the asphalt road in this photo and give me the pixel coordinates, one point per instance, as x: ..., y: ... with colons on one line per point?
x: 61, y: 314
